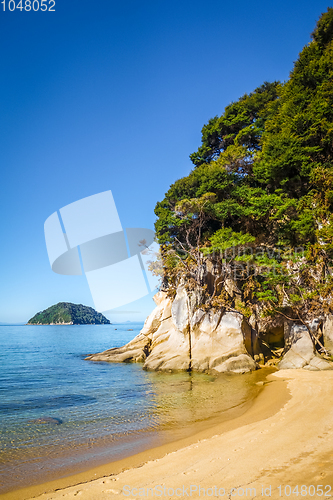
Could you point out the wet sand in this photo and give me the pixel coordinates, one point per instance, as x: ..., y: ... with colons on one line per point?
x: 284, y: 438
x: 181, y: 406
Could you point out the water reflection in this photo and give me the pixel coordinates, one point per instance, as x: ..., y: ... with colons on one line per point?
x: 107, y: 410
x: 181, y: 399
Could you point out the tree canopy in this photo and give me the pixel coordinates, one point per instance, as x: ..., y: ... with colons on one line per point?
x: 263, y: 178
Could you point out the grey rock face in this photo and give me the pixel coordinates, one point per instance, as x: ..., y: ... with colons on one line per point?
x: 177, y: 336
x: 174, y: 339
x: 217, y: 343
x: 302, y: 352
x: 180, y: 310
x: 328, y: 333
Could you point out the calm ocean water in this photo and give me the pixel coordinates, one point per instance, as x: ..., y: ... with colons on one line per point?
x: 101, y: 411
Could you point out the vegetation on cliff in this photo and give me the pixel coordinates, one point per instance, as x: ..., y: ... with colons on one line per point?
x: 66, y: 312
x: 256, y: 210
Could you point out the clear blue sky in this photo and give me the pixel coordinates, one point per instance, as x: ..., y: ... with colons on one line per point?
x: 113, y: 95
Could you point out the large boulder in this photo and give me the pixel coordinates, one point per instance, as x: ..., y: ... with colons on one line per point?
x: 218, y: 342
x: 175, y: 338
x: 302, y: 352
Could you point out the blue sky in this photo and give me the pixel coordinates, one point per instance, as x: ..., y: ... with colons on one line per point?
x: 113, y: 95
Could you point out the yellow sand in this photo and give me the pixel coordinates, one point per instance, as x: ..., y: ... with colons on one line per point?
x: 281, y: 440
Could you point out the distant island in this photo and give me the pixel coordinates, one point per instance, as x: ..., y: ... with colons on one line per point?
x: 66, y: 313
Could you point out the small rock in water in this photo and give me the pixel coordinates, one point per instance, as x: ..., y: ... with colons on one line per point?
x: 46, y: 420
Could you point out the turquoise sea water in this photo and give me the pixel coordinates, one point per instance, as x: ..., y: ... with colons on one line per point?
x: 93, y: 413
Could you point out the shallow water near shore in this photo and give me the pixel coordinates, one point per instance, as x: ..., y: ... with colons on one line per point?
x: 60, y: 414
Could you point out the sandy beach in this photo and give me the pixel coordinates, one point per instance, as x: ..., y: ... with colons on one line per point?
x: 285, y: 439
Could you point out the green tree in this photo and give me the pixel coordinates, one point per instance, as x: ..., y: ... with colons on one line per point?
x: 263, y: 178
x: 242, y: 124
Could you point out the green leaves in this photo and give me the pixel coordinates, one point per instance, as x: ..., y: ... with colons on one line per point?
x: 226, y: 238
x: 261, y: 190
x: 241, y: 124
x: 298, y: 136
x: 323, y: 33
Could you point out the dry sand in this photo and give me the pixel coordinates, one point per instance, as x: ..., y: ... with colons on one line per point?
x: 285, y: 438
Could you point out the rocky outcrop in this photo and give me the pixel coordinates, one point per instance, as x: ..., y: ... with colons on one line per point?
x: 302, y: 351
x: 175, y: 338
x: 218, y: 342
x: 179, y: 335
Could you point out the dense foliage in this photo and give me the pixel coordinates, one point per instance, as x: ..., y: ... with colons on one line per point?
x: 257, y: 206
x: 66, y: 312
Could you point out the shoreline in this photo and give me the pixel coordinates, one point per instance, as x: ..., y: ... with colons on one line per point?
x: 271, y: 398
x: 228, y: 396
x: 284, y: 440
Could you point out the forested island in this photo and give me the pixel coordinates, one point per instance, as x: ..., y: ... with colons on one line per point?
x: 247, y: 237
x: 66, y: 313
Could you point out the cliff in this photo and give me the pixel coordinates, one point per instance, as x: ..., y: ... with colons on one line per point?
x: 246, y: 238
x: 177, y: 337
x: 66, y: 313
